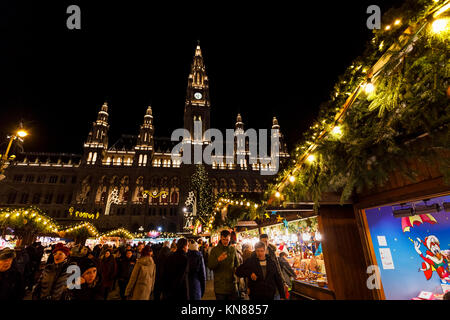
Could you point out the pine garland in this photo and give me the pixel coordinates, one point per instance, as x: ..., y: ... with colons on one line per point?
x: 380, y: 129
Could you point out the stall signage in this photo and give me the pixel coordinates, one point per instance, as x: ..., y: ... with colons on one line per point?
x: 247, y: 224
x: 86, y: 215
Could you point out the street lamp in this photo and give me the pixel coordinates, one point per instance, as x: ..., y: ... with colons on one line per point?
x: 18, y: 135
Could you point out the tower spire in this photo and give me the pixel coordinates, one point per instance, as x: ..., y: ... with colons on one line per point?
x: 197, y: 96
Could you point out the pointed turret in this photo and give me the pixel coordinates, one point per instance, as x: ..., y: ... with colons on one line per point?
x: 239, y: 126
x: 144, y: 145
x: 97, y: 141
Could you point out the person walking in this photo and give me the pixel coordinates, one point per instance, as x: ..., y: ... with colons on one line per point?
x: 197, y: 274
x: 12, y: 284
x: 125, y: 268
x: 263, y: 277
x: 164, y: 253
x: 96, y: 251
x: 223, y: 261
x: 53, y: 280
x: 286, y: 269
x: 90, y: 283
x: 108, y: 271
x: 271, y: 252
x: 142, y: 280
x: 175, y: 274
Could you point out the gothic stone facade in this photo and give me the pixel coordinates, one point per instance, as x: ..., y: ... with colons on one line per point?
x: 57, y: 182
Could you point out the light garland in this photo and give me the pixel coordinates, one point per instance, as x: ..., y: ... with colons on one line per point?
x: 437, y: 26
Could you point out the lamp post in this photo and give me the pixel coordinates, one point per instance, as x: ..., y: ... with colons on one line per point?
x: 20, y: 134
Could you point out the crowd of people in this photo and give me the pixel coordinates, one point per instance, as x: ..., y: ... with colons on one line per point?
x: 176, y: 270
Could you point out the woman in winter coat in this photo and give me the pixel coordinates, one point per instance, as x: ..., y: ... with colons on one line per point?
x: 142, y: 280
x: 286, y: 270
x: 52, y: 283
x: 197, y: 273
x: 108, y: 271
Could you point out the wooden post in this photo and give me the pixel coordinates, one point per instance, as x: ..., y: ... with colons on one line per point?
x: 343, y: 253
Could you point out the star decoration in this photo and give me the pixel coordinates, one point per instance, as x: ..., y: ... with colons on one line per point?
x: 285, y: 223
x: 273, y: 212
x: 267, y: 215
x: 279, y: 218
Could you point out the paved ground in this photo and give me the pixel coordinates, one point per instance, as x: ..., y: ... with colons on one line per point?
x: 209, y: 291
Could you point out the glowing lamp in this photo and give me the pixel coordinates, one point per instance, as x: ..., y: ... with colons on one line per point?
x: 22, y: 133
x: 369, y: 87
x: 311, y: 158
x: 439, y: 25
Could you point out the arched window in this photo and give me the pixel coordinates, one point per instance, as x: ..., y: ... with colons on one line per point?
x: 232, y: 185
x: 245, y: 187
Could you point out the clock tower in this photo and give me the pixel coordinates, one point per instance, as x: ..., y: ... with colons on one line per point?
x: 197, y: 104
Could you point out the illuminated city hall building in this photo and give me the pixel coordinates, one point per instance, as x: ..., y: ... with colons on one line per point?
x: 134, y: 164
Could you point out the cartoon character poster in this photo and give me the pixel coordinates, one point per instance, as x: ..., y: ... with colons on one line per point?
x: 419, y: 247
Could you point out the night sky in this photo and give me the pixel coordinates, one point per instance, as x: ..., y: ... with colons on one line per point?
x: 263, y: 60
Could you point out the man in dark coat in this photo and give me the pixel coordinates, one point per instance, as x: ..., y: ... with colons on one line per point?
x: 271, y: 252
x: 164, y: 253
x: 125, y: 268
x: 263, y: 278
x: 175, y: 274
x: 12, y: 285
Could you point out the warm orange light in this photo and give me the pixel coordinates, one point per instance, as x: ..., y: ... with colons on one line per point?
x: 22, y: 133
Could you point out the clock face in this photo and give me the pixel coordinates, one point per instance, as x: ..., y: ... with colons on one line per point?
x: 197, y: 95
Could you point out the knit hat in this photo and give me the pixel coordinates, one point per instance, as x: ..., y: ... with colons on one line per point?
x: 86, y: 264
x: 193, y: 246
x: 7, y: 253
x: 61, y: 247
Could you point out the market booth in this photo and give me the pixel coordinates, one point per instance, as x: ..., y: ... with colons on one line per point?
x: 405, y: 231
x: 324, y: 249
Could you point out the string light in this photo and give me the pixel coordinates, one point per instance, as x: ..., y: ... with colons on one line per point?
x: 439, y: 25
x: 311, y: 158
x: 277, y: 194
x: 337, y: 130
x: 388, y: 28
x: 369, y: 87
x: 292, y: 179
x: 397, y: 22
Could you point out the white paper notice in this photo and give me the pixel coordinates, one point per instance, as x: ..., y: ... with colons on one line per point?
x: 382, y: 241
x: 386, y: 258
